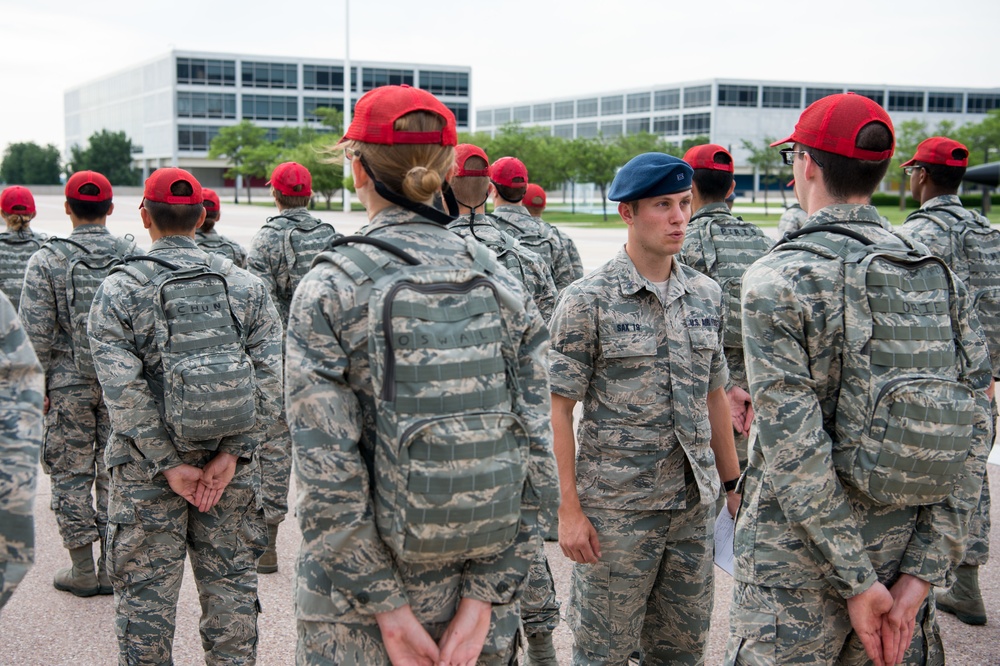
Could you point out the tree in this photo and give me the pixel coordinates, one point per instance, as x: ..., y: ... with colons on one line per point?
x: 30, y: 164
x: 981, y: 138
x: 596, y: 161
x: 909, y: 134
x: 327, y: 171
x: 765, y: 161
x: 109, y: 153
x: 237, y: 143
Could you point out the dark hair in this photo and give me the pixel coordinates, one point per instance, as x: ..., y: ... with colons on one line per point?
x: 89, y: 211
x: 847, y: 177
x: 944, y: 177
x: 211, y: 215
x: 713, y: 185
x: 175, y: 218
x: 511, y: 194
x: 286, y: 201
x: 471, y: 190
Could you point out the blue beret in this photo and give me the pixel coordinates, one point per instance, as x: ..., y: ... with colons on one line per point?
x: 650, y: 175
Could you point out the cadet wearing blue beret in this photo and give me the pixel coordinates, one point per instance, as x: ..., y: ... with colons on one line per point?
x: 643, y: 330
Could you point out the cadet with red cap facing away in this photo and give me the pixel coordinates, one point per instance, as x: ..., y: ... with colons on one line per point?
x: 187, y: 348
x: 17, y: 242
x: 211, y: 240
x: 639, y: 342
x: 60, y: 283
x: 723, y: 247
x: 534, y: 202
x: 859, y: 345
x: 280, y: 255
x: 970, y: 245
x: 418, y: 406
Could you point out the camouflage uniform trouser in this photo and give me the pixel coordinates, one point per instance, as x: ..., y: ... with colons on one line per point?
x: 149, y: 532
x: 977, y: 549
x: 770, y: 625
x: 76, y: 432
x: 275, y: 456
x: 652, y: 589
x: 433, y: 590
x: 539, y: 607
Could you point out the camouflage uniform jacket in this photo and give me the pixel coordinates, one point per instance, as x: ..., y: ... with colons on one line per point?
x: 572, y: 254
x: 343, y: 563
x: 799, y: 525
x: 518, y: 222
x: 16, y: 248
x: 942, y: 243
x: 643, y: 369
x: 534, y: 272
x: 130, y: 369
x: 21, y: 391
x: 45, y: 309
x: 792, y: 219
x: 239, y: 254
x: 693, y: 254
x: 266, y: 259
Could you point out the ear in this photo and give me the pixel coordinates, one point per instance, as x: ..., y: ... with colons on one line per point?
x: 625, y: 212
x: 67, y: 208
x: 201, y: 219
x: 111, y: 209
x: 147, y: 220
x: 361, y: 178
x: 731, y: 188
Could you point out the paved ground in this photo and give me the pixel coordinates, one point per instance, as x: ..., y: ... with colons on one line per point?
x: 43, y: 627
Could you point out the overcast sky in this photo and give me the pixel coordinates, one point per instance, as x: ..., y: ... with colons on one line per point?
x: 518, y: 51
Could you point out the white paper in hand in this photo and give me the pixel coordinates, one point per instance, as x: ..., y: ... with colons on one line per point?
x: 725, y: 528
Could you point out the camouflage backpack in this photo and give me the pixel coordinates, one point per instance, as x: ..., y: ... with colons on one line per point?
x: 216, y: 245
x: 975, y: 251
x: 531, y: 234
x: 302, y: 241
x: 85, y: 271
x: 208, y: 378
x: 502, y: 244
x: 451, y: 455
x: 729, y: 248
x: 15, y: 250
x: 904, y: 421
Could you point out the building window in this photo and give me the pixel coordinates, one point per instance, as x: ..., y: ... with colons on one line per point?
x: 697, y: 96
x: 270, y: 75
x: 638, y: 103
x: 195, y: 137
x: 735, y: 96
x: 461, y: 112
x: 780, y: 97
x: 563, y: 110
x: 586, y: 108
x: 612, y: 106
x: 814, y: 94
x: 944, y: 102
x: 611, y: 127
x: 668, y: 125
x: 563, y: 131
x: 666, y: 99
x: 501, y: 116
x: 454, y: 84
x: 484, y: 118
x: 983, y: 102
x: 205, y: 105
x: 522, y: 114
x: 697, y: 123
x: 637, y: 125
x: 906, y: 100
x: 325, y: 77
x: 877, y: 96
x: 586, y: 130
x: 372, y: 77
x: 310, y: 104
x: 204, y: 72
x: 542, y: 112
x: 270, y: 107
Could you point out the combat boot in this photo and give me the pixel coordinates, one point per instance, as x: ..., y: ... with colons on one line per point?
x: 541, y: 651
x: 268, y: 562
x: 103, y: 580
x: 79, y: 579
x: 964, y: 599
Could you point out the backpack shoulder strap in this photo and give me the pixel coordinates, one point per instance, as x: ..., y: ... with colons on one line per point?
x: 143, y: 272
x: 64, y: 246
x: 372, y: 268
x: 818, y: 241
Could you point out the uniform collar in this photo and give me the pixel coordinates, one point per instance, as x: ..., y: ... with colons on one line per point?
x: 175, y: 242
x: 511, y: 208
x: 846, y: 213
x: 714, y: 208
x: 943, y: 200
x: 632, y: 282
x: 90, y: 229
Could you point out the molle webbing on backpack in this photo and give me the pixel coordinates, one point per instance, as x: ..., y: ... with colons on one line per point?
x: 14, y: 254
x: 216, y: 244
x: 302, y: 241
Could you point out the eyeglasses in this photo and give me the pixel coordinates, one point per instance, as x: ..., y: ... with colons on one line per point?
x: 910, y: 169
x: 788, y: 156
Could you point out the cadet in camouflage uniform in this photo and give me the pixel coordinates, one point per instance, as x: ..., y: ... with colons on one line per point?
x: 639, y: 342
x: 723, y: 247
x: 211, y: 240
x: 936, y: 172
x: 22, y: 387
x: 281, y: 261
x: 171, y: 496
x: 534, y: 202
x: 824, y: 574
x: 17, y: 241
x: 508, y: 182
x: 76, y: 418
x: 792, y: 219
x: 355, y: 602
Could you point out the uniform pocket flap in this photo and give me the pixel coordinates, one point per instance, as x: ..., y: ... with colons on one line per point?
x: 757, y: 626
x: 626, y: 346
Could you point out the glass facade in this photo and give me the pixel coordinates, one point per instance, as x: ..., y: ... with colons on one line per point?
x: 586, y: 130
x: 813, y: 94
x: 983, y: 103
x: 636, y: 125
x: 484, y: 118
x: 668, y: 125
x: 373, y: 77
x: 461, y: 111
x: 310, y: 104
x: 612, y: 106
x: 205, y: 72
x: 697, y: 96
x: 205, y: 105
x: 449, y: 84
x: 563, y: 131
x: 781, y: 97
x: 325, y: 77
x: 563, y: 110
x: 611, y: 127
x: 501, y: 116
x: 541, y: 112
x: 906, y: 100
x: 196, y: 137
x: 586, y: 108
x: 270, y: 107
x: 666, y: 99
x: 877, y: 96
x: 271, y: 75
x: 944, y: 102
x: 638, y: 103
x: 735, y: 96
x: 697, y: 123
x: 522, y: 114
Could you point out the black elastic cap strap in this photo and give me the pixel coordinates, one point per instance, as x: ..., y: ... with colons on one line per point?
x: 429, y: 212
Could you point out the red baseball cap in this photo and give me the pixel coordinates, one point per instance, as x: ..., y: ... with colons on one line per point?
x: 463, y: 152
x: 378, y: 110
x: 17, y: 200
x: 211, y: 199
x: 940, y: 150
x: 81, y: 178
x: 288, y: 176
x: 534, y: 196
x: 704, y: 157
x: 158, y: 186
x: 506, y: 170
x: 833, y: 122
